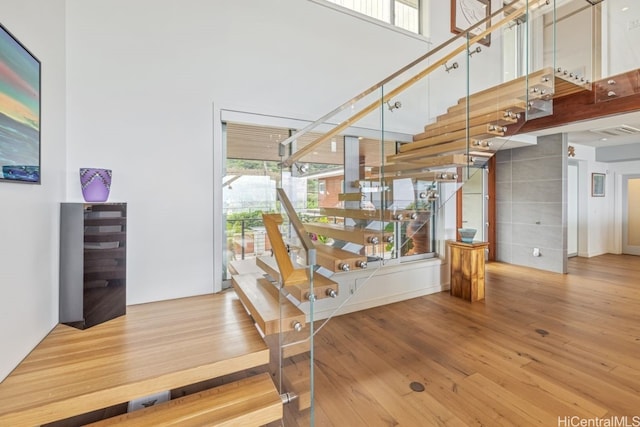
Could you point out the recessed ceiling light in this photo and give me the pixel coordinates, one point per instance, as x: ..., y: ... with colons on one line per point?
x: 624, y: 9
x: 603, y: 139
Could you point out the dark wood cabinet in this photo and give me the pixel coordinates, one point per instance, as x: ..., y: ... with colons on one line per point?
x: 93, y: 267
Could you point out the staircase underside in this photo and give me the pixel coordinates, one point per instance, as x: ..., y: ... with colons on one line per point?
x: 155, y: 347
x: 463, y: 135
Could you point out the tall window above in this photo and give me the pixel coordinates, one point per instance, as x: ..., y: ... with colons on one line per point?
x: 401, y: 13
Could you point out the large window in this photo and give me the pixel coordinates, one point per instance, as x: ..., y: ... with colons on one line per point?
x: 401, y: 13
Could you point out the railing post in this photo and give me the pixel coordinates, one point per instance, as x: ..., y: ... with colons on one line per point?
x: 242, y: 242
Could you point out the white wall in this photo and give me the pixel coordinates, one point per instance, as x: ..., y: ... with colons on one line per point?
x: 146, y: 82
x: 29, y: 214
x: 596, y: 216
x: 617, y: 170
x: 447, y: 87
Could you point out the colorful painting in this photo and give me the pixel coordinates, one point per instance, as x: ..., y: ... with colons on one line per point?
x: 19, y: 112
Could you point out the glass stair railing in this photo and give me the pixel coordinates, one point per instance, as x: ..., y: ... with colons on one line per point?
x: 385, y: 167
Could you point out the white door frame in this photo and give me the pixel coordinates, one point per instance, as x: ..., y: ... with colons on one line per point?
x: 626, y: 249
x: 573, y: 208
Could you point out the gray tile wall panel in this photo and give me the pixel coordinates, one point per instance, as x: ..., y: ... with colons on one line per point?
x: 548, y: 146
x: 532, y: 213
x: 537, y: 191
x: 550, y: 259
x: 547, y: 169
x: 503, y: 192
x: 531, y: 205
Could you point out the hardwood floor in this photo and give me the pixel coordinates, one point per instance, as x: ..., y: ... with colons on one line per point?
x: 539, y: 348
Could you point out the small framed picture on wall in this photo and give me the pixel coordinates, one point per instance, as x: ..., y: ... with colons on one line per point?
x: 597, y: 184
x: 466, y: 13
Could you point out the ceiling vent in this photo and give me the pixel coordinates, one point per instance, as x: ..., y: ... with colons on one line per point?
x: 622, y: 130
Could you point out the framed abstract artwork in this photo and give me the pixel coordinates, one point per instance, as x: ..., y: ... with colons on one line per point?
x: 19, y: 111
x: 466, y: 13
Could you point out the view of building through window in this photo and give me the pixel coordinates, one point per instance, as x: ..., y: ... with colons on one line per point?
x: 401, y: 13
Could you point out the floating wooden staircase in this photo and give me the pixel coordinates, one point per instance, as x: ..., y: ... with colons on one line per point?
x: 468, y: 128
x: 463, y: 136
x: 272, y: 291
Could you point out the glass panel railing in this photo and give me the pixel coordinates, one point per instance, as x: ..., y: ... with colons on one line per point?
x: 374, y: 183
x: 620, y: 33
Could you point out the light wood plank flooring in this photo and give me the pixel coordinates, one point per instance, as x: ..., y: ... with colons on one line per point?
x: 156, y: 346
x: 540, y: 346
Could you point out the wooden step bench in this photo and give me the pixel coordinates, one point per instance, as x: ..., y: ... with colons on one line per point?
x: 271, y: 312
x: 298, y: 289
x: 252, y: 401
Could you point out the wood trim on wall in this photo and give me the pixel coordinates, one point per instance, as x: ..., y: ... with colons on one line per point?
x: 459, y: 204
x: 491, y: 207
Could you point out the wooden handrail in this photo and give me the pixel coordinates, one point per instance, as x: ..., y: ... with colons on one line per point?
x: 401, y: 88
x: 307, y: 244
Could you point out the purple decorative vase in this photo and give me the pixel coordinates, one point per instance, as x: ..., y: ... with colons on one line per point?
x: 95, y: 184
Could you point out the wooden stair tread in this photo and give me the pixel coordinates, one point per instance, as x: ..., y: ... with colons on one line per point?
x: 416, y: 173
x: 369, y: 214
x: 443, y: 162
x: 252, y: 401
x: 432, y: 176
x: 477, y: 132
x: 513, y: 88
x: 459, y: 146
x: 155, y: 347
x: 359, y: 235
x: 299, y: 290
x: 350, y: 197
x: 271, y: 313
x: 460, y: 113
x: 243, y: 266
x: 335, y: 258
x: 455, y: 123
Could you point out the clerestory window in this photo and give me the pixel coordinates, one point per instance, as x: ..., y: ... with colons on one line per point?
x: 401, y: 13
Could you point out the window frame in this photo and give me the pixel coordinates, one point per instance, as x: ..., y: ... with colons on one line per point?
x: 392, y: 3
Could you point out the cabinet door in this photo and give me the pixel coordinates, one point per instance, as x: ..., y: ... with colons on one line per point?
x: 105, y: 269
